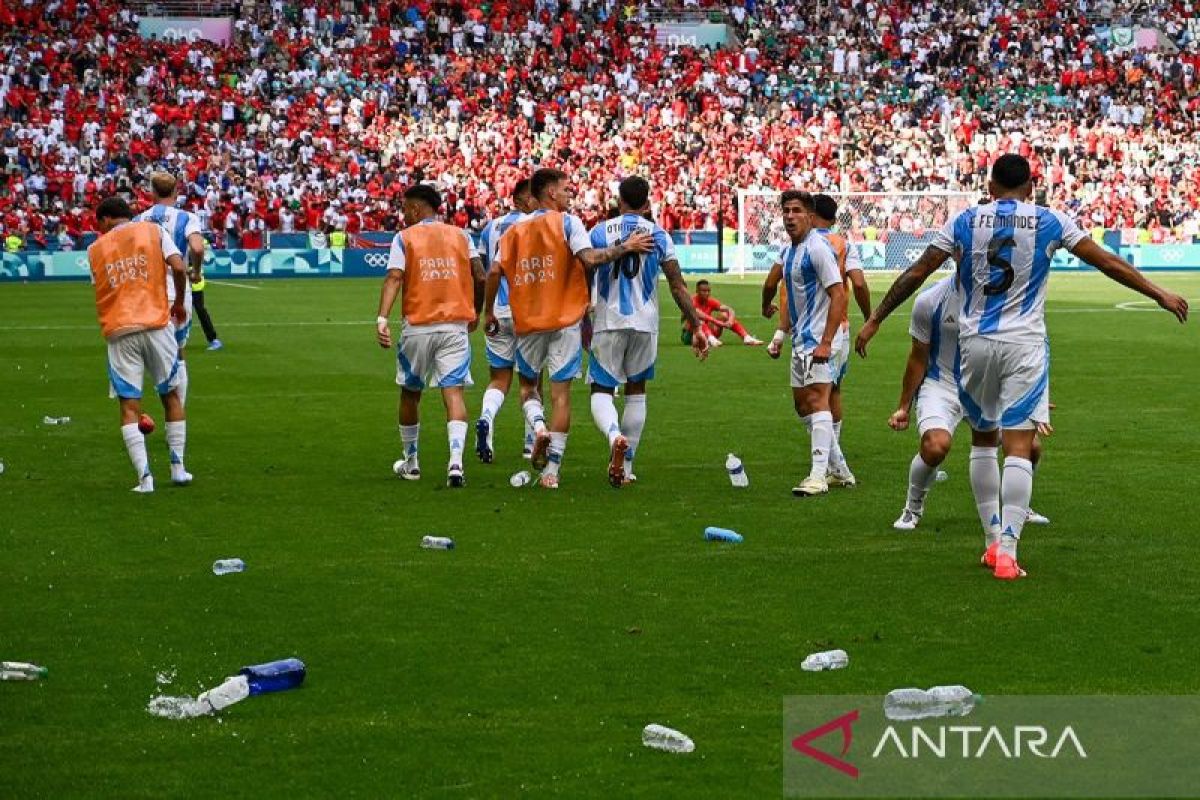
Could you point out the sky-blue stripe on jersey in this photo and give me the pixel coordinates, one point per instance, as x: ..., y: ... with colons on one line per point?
x: 809, y: 273
x: 932, y: 370
x: 1049, y: 233
x: 993, y: 305
x: 629, y: 224
x: 789, y: 261
x: 964, y: 235
x: 180, y: 233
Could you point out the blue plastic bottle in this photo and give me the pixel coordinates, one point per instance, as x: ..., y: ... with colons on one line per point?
x: 275, y: 676
x: 721, y: 535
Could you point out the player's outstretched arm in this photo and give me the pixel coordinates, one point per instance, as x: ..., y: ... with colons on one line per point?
x: 902, y: 288
x: 770, y: 289
x: 679, y: 292
x: 1124, y: 273
x: 387, y: 298
x: 914, y: 373
x: 638, y: 242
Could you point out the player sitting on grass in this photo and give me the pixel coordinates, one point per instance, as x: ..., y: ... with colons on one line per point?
x: 437, y: 269
x: 716, y: 317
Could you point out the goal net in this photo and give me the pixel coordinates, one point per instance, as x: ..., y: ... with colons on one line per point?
x: 890, y: 230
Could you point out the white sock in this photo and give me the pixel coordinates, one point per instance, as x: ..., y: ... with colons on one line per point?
x: 135, y: 445
x: 920, y: 478
x: 604, y: 412
x: 456, y: 430
x: 528, y: 436
x: 558, y: 446
x: 535, y: 415
x: 633, y: 420
x: 492, y: 400
x: 820, y: 426
x: 176, y: 441
x: 182, y: 388
x: 985, y: 484
x: 410, y: 436
x: 837, y: 461
x: 1015, y: 491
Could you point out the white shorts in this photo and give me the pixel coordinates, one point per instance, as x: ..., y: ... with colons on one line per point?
x: 440, y: 359
x: 502, y: 348
x: 620, y: 357
x: 839, y: 356
x: 132, y: 355
x: 559, y: 351
x: 938, y: 407
x: 181, y: 332
x: 1004, y: 385
x: 806, y: 372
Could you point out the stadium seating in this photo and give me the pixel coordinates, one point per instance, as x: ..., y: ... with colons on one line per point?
x: 321, y: 112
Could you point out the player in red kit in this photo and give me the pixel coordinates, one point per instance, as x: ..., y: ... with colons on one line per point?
x: 717, y: 317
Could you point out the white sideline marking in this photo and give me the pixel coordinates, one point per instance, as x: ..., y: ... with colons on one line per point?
x: 236, y: 285
x: 1145, y: 305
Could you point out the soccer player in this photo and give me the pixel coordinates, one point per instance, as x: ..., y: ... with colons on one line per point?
x: 441, y: 276
x: 547, y: 257
x: 129, y: 265
x: 1003, y: 252
x: 625, y: 343
x: 716, y: 317
x: 815, y: 305
x: 929, y: 376
x: 184, y: 229
x: 502, y: 347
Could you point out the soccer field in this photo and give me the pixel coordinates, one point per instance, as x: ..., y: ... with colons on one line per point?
x: 529, y: 658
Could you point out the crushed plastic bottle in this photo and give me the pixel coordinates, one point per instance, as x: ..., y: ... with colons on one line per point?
x: 942, y: 476
x: 21, y: 671
x: 48, y: 420
x: 712, y: 534
x: 660, y: 737
x: 940, y: 701
x: 737, y: 472
x: 519, y: 479
x: 1, y: 466
x: 224, y: 566
x: 829, y: 659
x: 437, y: 543
x: 218, y: 698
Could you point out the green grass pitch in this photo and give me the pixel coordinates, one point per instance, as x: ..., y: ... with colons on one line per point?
x: 528, y: 659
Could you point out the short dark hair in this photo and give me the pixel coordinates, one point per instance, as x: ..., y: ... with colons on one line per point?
x: 521, y: 188
x: 113, y: 208
x: 701, y: 282
x: 542, y: 179
x: 794, y: 196
x: 1011, y: 171
x: 634, y: 192
x: 424, y: 193
x: 825, y: 207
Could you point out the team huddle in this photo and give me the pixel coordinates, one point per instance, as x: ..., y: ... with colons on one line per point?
x: 546, y: 289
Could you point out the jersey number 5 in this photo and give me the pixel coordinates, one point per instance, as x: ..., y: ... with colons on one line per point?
x: 997, y: 261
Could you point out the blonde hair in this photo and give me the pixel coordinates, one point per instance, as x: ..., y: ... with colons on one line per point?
x: 163, y: 184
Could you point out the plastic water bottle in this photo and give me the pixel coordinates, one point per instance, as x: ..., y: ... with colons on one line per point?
x: 660, y: 737
x: 274, y: 676
x: 940, y: 701
x: 224, y: 566
x: 519, y: 479
x: 830, y: 659
x: 233, y: 690
x: 437, y: 543
x: 712, y: 534
x: 21, y: 671
x: 48, y: 420
x: 737, y: 473
x: 942, y: 476
x: 1, y: 466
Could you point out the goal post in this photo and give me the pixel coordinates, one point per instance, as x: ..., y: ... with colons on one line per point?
x: 890, y: 229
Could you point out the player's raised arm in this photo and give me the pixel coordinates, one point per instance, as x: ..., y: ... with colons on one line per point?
x: 683, y: 299
x: 1124, y: 273
x: 770, y: 289
x: 903, y: 288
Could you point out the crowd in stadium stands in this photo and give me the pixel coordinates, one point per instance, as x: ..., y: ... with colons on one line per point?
x: 321, y: 112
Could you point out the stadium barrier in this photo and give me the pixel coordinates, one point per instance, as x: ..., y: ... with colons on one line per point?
x: 694, y: 258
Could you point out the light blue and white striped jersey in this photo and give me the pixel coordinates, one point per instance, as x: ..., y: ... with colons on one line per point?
x: 179, y: 225
x: 489, y: 242
x: 809, y: 269
x: 935, y: 323
x: 1003, y: 251
x: 625, y: 292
